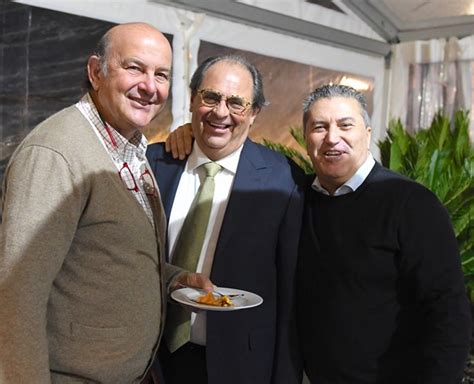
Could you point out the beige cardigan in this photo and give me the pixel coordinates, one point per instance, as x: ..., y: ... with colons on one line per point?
x: 81, y: 289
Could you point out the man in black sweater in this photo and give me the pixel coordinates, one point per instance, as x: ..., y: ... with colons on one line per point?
x: 381, y: 292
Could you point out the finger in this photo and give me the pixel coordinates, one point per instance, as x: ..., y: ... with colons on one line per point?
x: 167, y: 143
x: 172, y: 142
x: 188, y: 138
x: 180, y: 142
x: 198, y: 280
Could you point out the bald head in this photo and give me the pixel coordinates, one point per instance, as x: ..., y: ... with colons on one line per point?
x: 130, y: 76
x: 117, y: 34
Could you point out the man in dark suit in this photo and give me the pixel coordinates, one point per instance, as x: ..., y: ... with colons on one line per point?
x: 251, y: 239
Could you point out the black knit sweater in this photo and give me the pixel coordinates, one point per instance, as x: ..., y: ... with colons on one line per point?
x: 381, y: 292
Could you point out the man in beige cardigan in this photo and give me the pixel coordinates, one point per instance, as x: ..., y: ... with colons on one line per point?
x: 82, y: 278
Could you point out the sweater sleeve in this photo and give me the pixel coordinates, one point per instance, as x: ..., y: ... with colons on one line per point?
x: 41, y: 209
x: 431, y: 271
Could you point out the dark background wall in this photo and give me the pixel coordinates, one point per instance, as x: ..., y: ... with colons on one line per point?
x: 43, y: 56
x: 42, y: 66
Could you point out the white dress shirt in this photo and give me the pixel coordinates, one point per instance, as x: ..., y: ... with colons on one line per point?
x: 353, y: 183
x: 188, y: 186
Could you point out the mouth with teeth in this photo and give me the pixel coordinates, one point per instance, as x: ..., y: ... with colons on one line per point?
x: 141, y: 103
x: 333, y: 155
x: 218, y: 127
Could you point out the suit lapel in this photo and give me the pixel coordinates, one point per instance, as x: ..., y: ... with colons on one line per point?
x: 252, y: 173
x: 167, y: 172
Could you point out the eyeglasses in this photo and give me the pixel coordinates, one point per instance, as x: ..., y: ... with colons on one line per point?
x: 146, y: 179
x: 236, y: 104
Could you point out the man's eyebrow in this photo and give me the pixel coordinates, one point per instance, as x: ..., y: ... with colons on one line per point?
x: 163, y: 69
x: 128, y: 60
x: 141, y: 63
x: 344, y: 119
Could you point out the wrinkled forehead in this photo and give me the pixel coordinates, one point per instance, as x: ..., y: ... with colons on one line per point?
x: 226, y: 75
x: 334, y: 108
x: 140, y: 43
x: 338, y: 107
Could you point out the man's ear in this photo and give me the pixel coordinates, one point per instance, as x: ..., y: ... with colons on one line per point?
x: 253, y: 115
x: 191, y: 103
x: 94, y: 71
x: 369, y: 136
x: 306, y: 138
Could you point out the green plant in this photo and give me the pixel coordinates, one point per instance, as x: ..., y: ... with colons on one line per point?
x: 297, y: 156
x: 441, y: 158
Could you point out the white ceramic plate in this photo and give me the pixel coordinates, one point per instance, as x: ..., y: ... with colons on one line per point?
x: 244, y: 300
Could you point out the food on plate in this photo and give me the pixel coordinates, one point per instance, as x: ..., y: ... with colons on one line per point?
x: 217, y: 300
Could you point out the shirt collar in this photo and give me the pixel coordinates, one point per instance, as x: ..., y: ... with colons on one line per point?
x: 353, y: 183
x: 198, y: 158
x: 113, y: 140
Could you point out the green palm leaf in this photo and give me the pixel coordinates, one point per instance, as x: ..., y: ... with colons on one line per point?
x: 441, y: 157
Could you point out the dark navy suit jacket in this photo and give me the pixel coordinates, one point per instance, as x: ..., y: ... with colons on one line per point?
x: 256, y: 251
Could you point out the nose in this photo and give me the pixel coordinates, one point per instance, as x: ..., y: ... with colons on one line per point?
x: 221, y: 109
x: 148, y: 84
x: 332, y: 135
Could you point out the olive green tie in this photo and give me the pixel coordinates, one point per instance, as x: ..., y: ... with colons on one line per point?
x: 186, y: 254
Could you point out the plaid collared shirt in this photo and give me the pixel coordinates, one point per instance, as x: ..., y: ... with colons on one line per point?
x: 127, y: 155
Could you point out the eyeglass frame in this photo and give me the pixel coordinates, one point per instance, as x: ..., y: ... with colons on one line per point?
x: 247, y: 104
x: 135, y: 187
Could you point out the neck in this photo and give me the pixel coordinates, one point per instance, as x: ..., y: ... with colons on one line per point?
x: 330, y: 188
x: 127, y: 133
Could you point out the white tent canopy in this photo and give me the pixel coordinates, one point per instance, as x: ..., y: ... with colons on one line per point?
x: 189, y: 28
x: 353, y: 37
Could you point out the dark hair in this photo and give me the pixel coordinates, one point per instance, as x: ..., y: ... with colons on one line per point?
x: 101, y: 52
x: 258, y: 96
x: 336, y: 90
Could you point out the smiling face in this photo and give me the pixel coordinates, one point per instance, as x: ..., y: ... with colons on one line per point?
x: 135, y: 87
x: 217, y: 131
x: 337, y: 140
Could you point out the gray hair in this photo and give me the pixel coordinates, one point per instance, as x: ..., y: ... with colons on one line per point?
x: 336, y: 90
x: 101, y: 51
x: 258, y: 96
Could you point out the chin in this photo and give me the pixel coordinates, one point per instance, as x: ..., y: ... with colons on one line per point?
x: 216, y: 142
x: 141, y: 122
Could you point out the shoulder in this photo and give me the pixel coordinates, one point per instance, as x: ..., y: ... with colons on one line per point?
x: 67, y: 133
x: 401, y: 188
x: 156, y: 151
x: 380, y: 173
x: 267, y: 154
x: 156, y: 154
x: 66, y: 118
x: 67, y: 127
x: 278, y: 162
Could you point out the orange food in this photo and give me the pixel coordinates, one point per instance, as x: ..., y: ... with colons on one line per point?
x: 218, y: 301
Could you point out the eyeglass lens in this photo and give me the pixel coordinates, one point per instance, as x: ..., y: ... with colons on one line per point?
x: 127, y: 178
x: 234, y: 103
x: 148, y: 183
